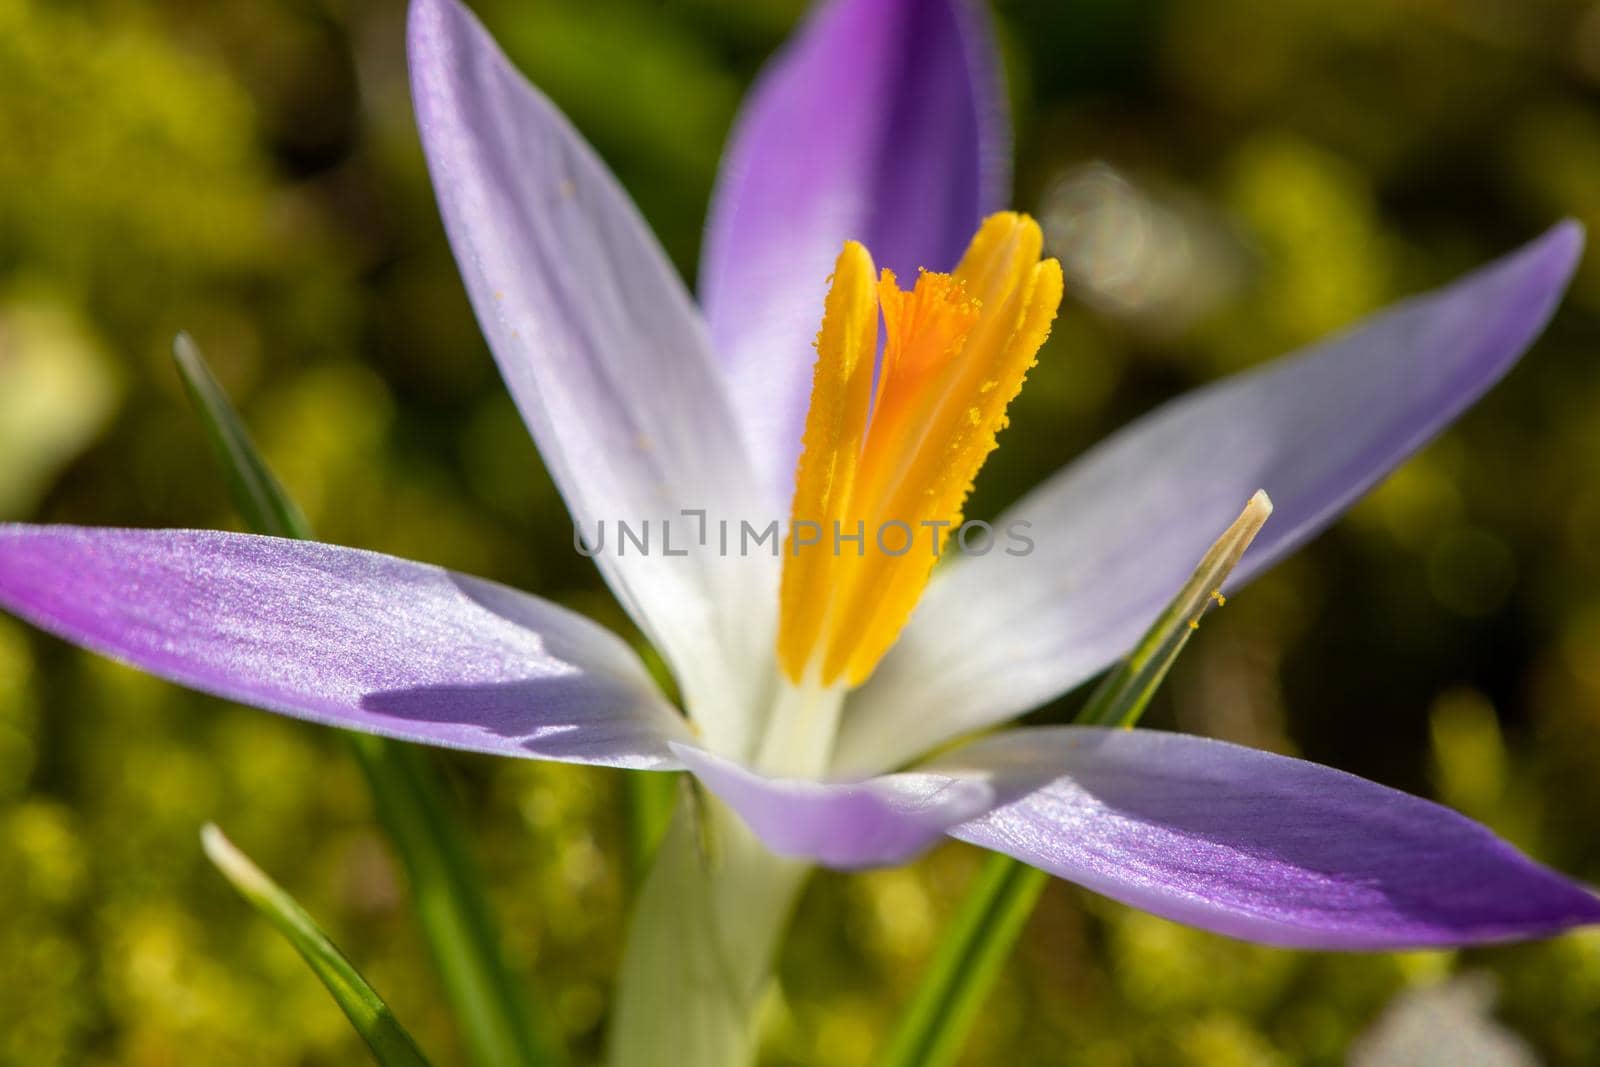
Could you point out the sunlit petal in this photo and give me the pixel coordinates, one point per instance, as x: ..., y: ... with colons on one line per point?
x: 346, y: 638
x: 603, y: 352
x: 1255, y: 845
x: 1117, y: 532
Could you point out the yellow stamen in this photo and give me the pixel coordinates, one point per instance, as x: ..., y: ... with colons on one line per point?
x: 896, y: 467
x: 836, y: 426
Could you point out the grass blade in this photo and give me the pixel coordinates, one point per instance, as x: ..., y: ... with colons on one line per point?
x: 261, y: 501
x: 974, y: 948
x: 1126, y: 691
x: 498, y: 1020
x: 494, y: 1011
x: 650, y: 800
x: 985, y: 928
x: 388, y: 1040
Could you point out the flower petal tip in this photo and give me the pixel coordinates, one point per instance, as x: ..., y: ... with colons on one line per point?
x: 1572, y: 230
x: 1564, y: 243
x: 1257, y: 846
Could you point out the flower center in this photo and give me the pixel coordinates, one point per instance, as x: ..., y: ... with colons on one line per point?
x: 884, y: 471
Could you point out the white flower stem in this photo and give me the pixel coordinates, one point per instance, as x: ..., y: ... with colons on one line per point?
x: 698, y: 960
x: 706, y: 926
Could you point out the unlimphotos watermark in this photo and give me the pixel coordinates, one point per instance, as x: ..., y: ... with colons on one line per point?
x: 694, y: 530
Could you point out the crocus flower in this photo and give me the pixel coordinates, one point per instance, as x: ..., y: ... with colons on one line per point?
x: 813, y: 682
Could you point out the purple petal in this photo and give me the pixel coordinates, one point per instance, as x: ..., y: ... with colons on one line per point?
x: 603, y: 352
x: 1257, y: 846
x: 842, y: 824
x: 346, y: 638
x: 881, y: 121
x: 1117, y: 532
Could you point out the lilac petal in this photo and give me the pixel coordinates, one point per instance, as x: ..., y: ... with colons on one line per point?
x: 346, y: 638
x: 881, y: 121
x: 1257, y: 846
x: 603, y: 352
x: 845, y: 825
x: 1117, y: 532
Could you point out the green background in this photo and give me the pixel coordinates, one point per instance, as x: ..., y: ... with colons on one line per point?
x: 248, y: 171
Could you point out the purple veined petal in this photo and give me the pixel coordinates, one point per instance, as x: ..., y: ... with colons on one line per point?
x: 1254, y: 845
x: 346, y: 638
x: 846, y: 825
x: 605, y: 355
x: 1116, y: 533
x: 880, y: 121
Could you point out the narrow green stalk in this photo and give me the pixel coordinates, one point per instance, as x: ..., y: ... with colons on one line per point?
x: 650, y: 800
x: 497, y: 1018
x: 980, y: 937
x: 1127, y: 689
x: 262, y: 502
x: 966, y: 964
x: 371, y: 1017
x: 494, y: 1011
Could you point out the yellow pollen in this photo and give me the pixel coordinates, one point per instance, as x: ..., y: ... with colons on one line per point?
x: 884, y: 472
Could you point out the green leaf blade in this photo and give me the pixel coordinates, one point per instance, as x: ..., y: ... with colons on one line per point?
x: 391, y: 1045
x: 497, y: 1017
x: 965, y: 965
x: 261, y: 500
x: 499, y: 1021
x: 967, y: 962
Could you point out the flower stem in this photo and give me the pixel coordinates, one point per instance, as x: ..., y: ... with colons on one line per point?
x: 698, y: 959
x: 707, y: 919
